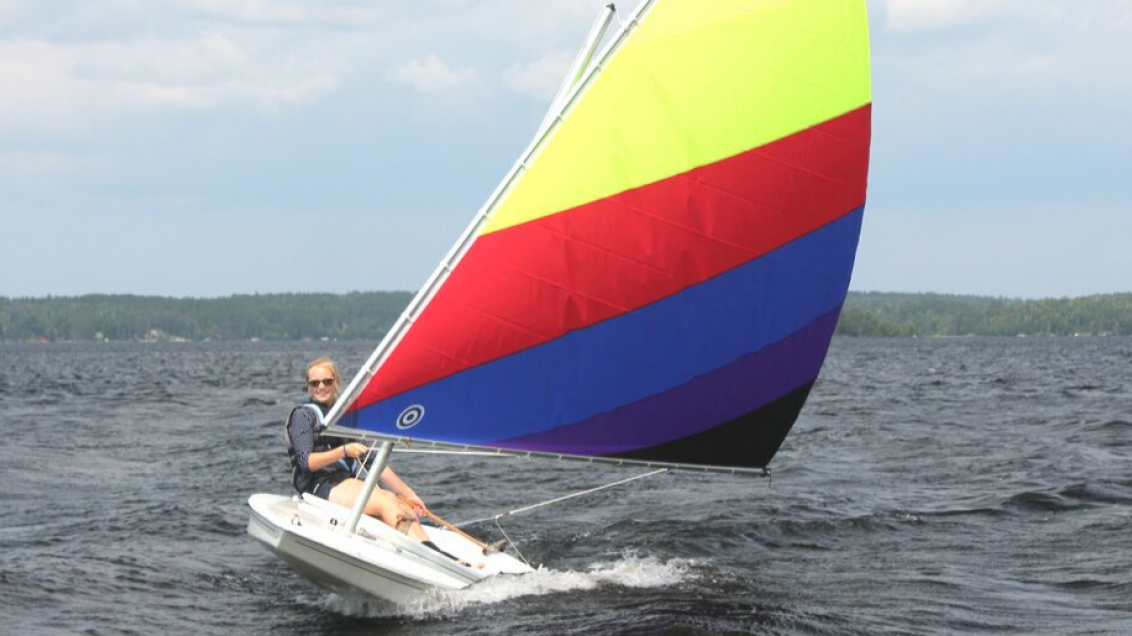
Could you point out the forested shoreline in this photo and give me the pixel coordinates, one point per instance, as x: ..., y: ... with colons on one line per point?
x: 895, y: 315
x: 368, y: 315
x: 353, y: 316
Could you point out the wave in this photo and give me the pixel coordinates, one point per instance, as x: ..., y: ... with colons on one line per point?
x: 955, y: 512
x: 1072, y: 497
x: 1085, y: 387
x: 1040, y: 502
x: 732, y: 533
x: 1096, y: 585
x: 1113, y: 425
x: 1067, y: 498
x: 1101, y: 492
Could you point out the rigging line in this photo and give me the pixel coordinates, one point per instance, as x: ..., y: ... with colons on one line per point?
x: 363, y: 460
x: 563, y: 498
x: 512, y: 543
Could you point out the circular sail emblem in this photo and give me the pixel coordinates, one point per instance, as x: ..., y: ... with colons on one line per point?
x: 410, y: 417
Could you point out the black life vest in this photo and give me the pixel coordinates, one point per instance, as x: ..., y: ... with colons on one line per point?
x: 337, y: 471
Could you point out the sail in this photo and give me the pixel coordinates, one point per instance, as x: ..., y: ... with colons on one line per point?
x: 660, y: 279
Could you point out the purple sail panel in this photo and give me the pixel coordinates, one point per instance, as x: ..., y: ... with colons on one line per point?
x: 744, y: 386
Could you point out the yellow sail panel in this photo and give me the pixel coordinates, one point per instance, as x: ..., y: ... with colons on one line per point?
x: 697, y: 81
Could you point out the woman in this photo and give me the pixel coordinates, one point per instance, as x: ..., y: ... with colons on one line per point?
x: 323, y: 466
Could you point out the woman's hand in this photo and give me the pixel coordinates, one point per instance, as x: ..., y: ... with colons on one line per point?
x: 402, y: 490
x: 413, y: 500
x: 355, y: 449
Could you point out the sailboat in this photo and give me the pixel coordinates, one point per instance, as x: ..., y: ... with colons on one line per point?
x: 654, y: 283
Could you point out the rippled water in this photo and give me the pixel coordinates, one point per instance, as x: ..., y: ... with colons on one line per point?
x: 930, y: 487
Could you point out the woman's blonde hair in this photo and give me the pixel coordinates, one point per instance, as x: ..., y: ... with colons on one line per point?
x: 329, y: 364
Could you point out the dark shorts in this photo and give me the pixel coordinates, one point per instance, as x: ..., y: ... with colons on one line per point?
x: 323, y: 487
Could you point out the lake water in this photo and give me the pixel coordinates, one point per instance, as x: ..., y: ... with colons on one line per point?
x: 931, y: 486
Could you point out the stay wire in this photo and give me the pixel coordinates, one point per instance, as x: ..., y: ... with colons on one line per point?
x: 511, y: 542
x: 499, y: 516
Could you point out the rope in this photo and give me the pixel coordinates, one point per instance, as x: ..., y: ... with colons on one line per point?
x: 499, y: 516
x: 483, y: 546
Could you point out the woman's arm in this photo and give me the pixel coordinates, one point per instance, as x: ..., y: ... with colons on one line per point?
x: 317, y: 461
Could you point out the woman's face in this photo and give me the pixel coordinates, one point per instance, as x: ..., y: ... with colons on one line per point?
x: 321, y: 385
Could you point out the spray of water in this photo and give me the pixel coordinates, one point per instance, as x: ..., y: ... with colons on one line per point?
x: 629, y: 571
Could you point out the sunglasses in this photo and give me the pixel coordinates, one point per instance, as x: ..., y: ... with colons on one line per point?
x: 314, y: 383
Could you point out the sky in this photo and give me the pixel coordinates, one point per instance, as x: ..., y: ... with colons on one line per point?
x: 213, y: 147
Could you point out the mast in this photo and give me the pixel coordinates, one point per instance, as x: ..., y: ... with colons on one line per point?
x: 372, y: 478
x: 579, y: 66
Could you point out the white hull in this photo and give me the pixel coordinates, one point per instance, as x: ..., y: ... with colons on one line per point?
x: 309, y: 535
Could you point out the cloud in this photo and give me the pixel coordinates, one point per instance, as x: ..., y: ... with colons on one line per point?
x: 930, y: 15
x: 432, y: 75
x: 78, y: 20
x: 64, y: 62
x: 281, y: 12
x: 541, y: 78
x: 46, y: 166
x: 60, y: 87
x: 1038, y: 59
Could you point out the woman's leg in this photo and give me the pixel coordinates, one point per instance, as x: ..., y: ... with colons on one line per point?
x: 382, y: 504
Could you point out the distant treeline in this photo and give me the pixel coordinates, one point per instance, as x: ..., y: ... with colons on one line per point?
x: 887, y: 314
x: 368, y: 315
x: 260, y: 316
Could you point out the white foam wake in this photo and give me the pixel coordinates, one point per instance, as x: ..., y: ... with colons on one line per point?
x: 629, y: 571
